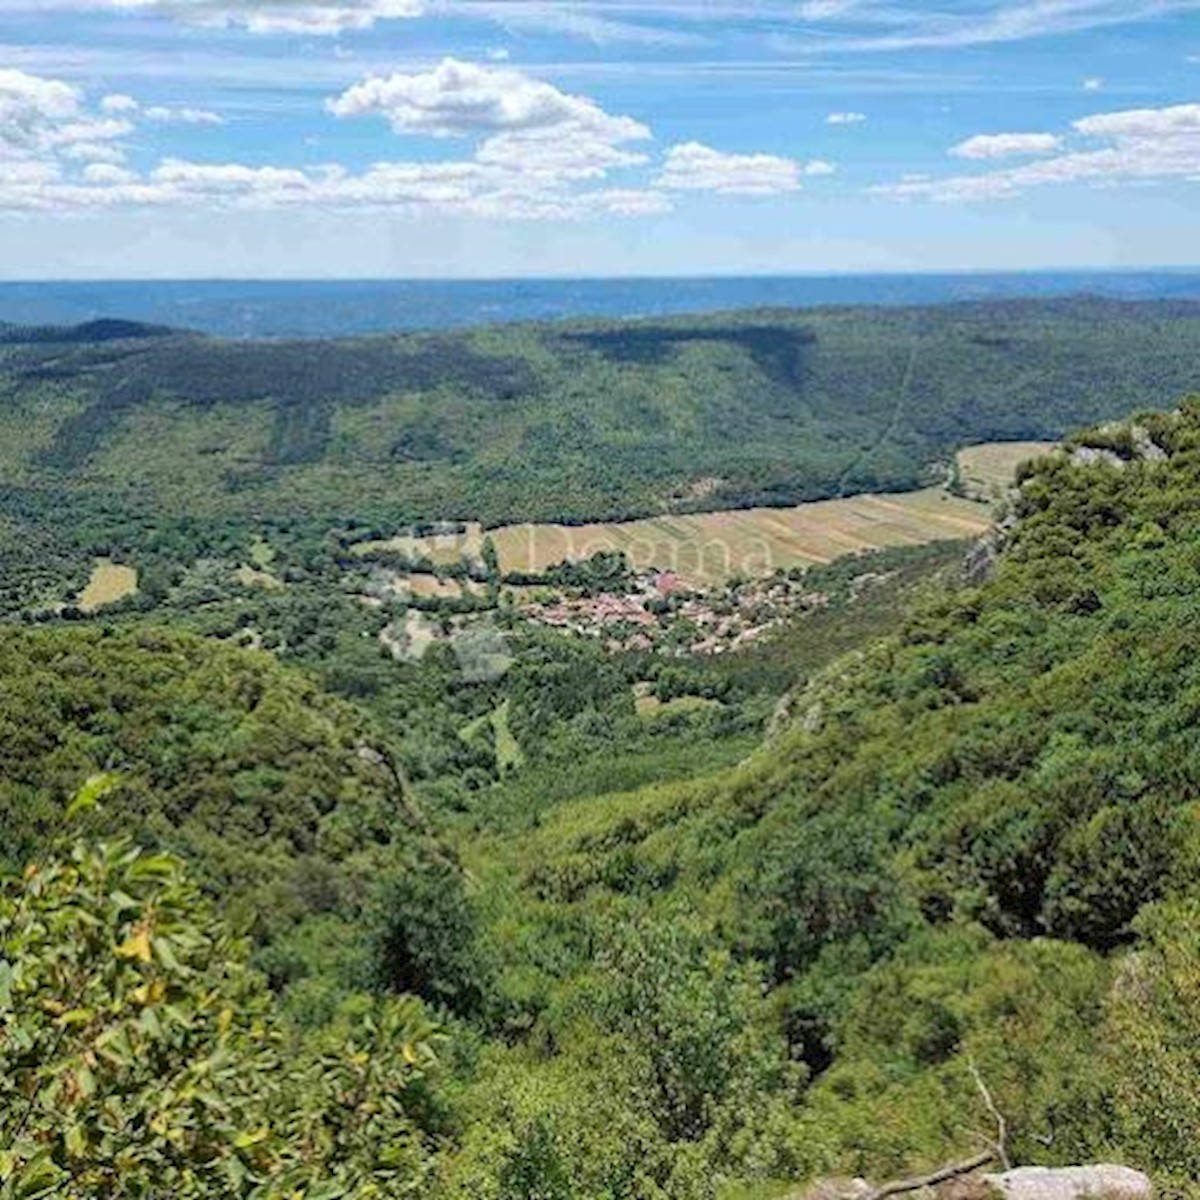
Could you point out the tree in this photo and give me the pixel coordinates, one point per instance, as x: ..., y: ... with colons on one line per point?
x: 139, y: 1055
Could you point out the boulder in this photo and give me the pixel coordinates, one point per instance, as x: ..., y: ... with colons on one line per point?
x: 1101, y: 1182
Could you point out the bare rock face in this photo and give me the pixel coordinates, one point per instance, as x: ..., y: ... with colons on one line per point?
x: 1100, y: 1182
x: 1090, y: 456
x: 1144, y: 446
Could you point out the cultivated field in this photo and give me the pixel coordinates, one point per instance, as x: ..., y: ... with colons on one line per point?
x: 988, y: 470
x: 709, y: 548
x: 109, y: 583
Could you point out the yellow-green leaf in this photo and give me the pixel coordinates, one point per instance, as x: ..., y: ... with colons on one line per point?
x: 92, y: 792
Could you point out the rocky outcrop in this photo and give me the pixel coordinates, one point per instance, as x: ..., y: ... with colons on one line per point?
x: 1100, y: 1182
x: 1090, y: 456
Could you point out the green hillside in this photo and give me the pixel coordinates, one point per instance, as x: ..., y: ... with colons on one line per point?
x: 968, y: 855
x: 976, y: 850
x: 385, y: 893
x: 118, y: 437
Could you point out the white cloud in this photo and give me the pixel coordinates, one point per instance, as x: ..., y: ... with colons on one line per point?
x: 1140, y: 124
x: 1006, y: 145
x: 31, y: 108
x: 693, y: 167
x: 458, y: 99
x: 106, y: 174
x: 1094, y: 84
x: 320, y: 17
x: 118, y: 103
x: 845, y: 118
x: 165, y: 115
x: 886, y: 27
x: 107, y: 152
x: 819, y: 167
x: 579, y: 157
x: 1141, y: 146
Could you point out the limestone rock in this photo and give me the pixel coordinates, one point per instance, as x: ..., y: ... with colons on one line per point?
x: 1089, y: 456
x: 1099, y: 1182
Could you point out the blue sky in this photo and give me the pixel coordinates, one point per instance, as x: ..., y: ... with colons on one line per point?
x: 466, y: 138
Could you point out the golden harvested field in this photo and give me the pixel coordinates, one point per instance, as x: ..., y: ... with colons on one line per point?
x: 988, y: 470
x: 109, y: 583
x: 708, y: 548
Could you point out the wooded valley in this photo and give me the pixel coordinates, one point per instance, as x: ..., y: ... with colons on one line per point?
x: 316, y: 886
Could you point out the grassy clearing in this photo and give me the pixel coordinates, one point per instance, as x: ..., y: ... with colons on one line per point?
x: 652, y: 706
x: 109, y: 583
x: 430, y: 587
x: 988, y: 470
x: 255, y: 578
x: 508, y: 750
x: 441, y: 549
x: 709, y: 548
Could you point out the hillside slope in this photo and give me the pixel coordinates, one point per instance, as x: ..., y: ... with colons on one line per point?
x: 977, y: 848
x: 277, y: 794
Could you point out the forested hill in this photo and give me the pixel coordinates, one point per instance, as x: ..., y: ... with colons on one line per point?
x: 568, y: 422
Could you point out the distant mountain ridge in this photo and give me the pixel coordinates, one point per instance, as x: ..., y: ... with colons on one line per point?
x: 340, y: 308
x: 105, y: 329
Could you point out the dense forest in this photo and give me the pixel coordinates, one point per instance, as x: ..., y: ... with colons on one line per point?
x: 259, y: 941
x: 128, y: 439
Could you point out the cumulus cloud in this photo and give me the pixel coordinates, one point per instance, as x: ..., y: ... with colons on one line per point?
x: 1007, y: 145
x: 536, y: 153
x: 1136, y: 146
x: 845, y: 118
x: 31, y: 109
x: 162, y: 114
x: 694, y: 167
x: 107, y: 175
x: 118, y: 103
x: 458, y: 99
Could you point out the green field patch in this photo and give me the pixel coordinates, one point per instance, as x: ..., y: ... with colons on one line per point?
x: 253, y: 578
x: 262, y: 554
x: 652, y: 706
x: 987, y: 471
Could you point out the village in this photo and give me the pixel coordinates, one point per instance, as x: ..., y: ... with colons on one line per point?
x: 660, y: 612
